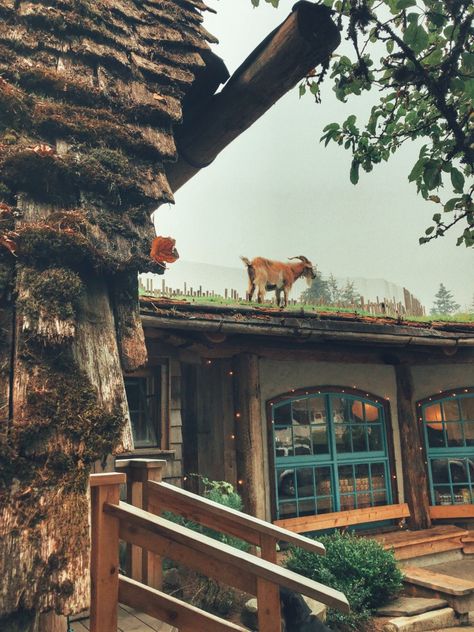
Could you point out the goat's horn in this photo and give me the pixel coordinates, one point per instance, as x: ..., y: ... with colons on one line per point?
x: 301, y: 258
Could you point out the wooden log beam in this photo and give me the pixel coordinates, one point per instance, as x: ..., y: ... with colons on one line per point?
x: 303, y: 41
x: 415, y: 477
x: 249, y: 434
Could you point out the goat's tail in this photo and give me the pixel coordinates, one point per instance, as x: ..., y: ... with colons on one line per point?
x: 246, y: 261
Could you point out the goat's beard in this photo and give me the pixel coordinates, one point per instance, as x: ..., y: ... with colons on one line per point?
x: 309, y: 281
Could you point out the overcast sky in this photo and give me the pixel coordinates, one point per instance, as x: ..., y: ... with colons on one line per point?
x: 277, y: 192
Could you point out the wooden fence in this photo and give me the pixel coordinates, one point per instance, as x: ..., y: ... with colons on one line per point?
x: 151, y: 537
x: 381, y: 306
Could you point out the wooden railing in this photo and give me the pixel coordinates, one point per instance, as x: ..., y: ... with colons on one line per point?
x: 152, y: 537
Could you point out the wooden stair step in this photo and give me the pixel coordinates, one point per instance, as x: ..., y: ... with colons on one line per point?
x: 399, y: 539
x: 438, y: 582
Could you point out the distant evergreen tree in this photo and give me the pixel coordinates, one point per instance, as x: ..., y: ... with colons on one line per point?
x: 444, y: 302
x: 318, y: 292
x: 333, y: 289
x: 349, y: 294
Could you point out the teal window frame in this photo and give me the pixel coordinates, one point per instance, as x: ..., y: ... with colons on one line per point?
x: 457, y: 458
x: 309, y: 504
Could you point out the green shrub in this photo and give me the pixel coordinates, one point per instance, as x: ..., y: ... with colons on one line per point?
x: 359, y: 567
x: 201, y: 591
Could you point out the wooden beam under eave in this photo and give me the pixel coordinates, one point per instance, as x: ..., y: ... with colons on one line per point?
x: 304, y: 40
x: 415, y: 475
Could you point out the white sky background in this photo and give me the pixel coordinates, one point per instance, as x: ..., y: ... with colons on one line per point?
x: 277, y: 192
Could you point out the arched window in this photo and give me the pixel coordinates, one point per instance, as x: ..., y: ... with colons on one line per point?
x: 448, y: 426
x: 330, y: 452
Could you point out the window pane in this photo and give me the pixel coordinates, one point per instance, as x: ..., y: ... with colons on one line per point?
x: 359, y: 438
x: 451, y: 410
x: 458, y: 469
x: 283, y: 442
x: 432, y: 414
x: 347, y: 502
x: 469, y: 432
x: 435, y: 435
x: 306, y: 507
x: 319, y: 439
x: 380, y: 498
x: 375, y: 438
x: 286, y: 484
x: 317, y: 409
x: 357, y: 410
x: 363, y: 500
x: 300, y: 411
x: 301, y: 440
x: 439, y: 471
x: 142, y: 402
x: 282, y: 415
x: 454, y: 434
x: 341, y: 409
x: 323, y: 481
x: 324, y: 505
x: 346, y: 479
x: 462, y: 494
x: 362, y: 477
x: 443, y: 496
x: 467, y: 407
x: 343, y: 438
x: 304, y: 478
x: 371, y: 413
x: 287, y: 510
x: 378, y: 476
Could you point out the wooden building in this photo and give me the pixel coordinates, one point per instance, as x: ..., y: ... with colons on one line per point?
x: 309, y: 414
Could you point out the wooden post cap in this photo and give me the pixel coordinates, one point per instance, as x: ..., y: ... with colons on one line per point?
x: 107, y: 478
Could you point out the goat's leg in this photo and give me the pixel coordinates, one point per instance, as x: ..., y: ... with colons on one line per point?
x: 286, y: 291
x: 261, y: 294
x: 278, y: 296
x: 250, y: 291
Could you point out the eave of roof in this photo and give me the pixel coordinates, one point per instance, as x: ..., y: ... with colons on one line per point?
x: 304, y: 325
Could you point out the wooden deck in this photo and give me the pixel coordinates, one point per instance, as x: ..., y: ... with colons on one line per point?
x: 129, y: 620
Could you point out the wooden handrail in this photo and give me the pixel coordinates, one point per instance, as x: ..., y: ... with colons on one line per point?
x: 163, y: 496
x: 213, y: 558
x: 156, y: 537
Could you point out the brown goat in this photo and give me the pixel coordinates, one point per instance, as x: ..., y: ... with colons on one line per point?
x: 265, y: 275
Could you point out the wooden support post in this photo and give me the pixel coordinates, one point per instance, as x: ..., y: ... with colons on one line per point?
x: 105, y: 488
x: 249, y: 434
x: 142, y: 566
x: 268, y: 603
x: 415, y: 478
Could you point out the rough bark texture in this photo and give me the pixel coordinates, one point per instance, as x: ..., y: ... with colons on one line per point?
x: 415, y: 477
x: 89, y: 92
x: 249, y: 434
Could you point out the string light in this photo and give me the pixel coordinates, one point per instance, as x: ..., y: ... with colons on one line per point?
x: 237, y: 415
x: 231, y: 373
x: 232, y: 436
x: 240, y: 482
x: 208, y: 361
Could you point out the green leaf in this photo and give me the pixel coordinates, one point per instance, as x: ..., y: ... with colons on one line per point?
x: 457, y: 180
x: 450, y: 204
x: 354, y: 175
x: 404, y: 4
x: 429, y: 230
x: 437, y: 218
x: 432, y: 174
x: 417, y: 170
x: 416, y: 37
x: 390, y: 46
x: 302, y: 89
x: 331, y: 126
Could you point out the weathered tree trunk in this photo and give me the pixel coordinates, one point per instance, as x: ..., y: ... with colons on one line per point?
x: 88, y: 98
x: 249, y: 434
x: 415, y: 478
x: 303, y: 41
